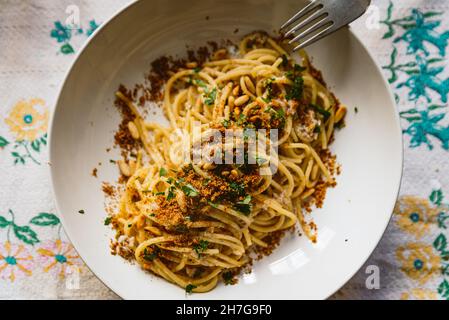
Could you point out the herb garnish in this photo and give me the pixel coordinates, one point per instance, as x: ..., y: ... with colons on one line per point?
x: 296, y: 90
x: 81, y: 211
x: 225, y: 123
x: 150, y: 256
x: 107, y: 221
x: 200, y: 247
x: 213, y: 205
x: 238, y: 188
x: 326, y: 114
x: 162, y: 172
x: 190, y: 288
x: 228, y: 277
x: 244, y: 206
x: 210, y: 96
x: 171, y: 193
x: 197, y: 69
x: 190, y: 190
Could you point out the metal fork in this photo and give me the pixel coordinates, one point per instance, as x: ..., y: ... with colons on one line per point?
x: 321, y: 18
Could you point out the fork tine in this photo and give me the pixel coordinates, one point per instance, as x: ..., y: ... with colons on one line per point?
x: 309, y: 30
x: 305, y: 22
x: 316, y: 37
x: 299, y: 14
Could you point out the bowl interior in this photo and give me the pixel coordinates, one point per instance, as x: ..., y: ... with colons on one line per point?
x: 369, y: 148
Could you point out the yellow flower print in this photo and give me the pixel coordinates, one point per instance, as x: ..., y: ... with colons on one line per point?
x: 415, y: 215
x: 28, y: 119
x: 419, y: 294
x: 418, y: 261
x: 15, y: 261
x: 60, y: 258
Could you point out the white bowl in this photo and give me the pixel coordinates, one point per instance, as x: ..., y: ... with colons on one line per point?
x: 355, y: 213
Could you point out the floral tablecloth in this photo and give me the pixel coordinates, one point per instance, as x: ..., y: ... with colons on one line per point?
x: 38, y: 41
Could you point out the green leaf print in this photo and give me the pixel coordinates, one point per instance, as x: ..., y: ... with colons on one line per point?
x: 3, y: 222
x: 443, y: 289
x: 26, y: 234
x: 45, y: 219
x: 440, y: 243
x: 3, y: 142
x: 436, y: 197
x: 36, y: 145
x: 67, y: 49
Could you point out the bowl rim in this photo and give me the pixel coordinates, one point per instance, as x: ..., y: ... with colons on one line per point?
x: 115, y: 16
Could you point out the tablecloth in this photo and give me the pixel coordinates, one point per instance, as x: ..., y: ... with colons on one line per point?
x: 39, y: 40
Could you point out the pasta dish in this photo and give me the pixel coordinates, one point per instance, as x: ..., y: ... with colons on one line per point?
x: 243, y: 159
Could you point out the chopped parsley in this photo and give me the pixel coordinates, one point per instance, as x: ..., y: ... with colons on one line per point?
x: 244, y: 206
x: 81, y: 212
x: 210, y: 96
x: 238, y: 188
x: 190, y: 288
x: 241, y: 119
x: 296, y: 90
x: 356, y: 110
x: 200, y: 247
x: 112, y: 161
x: 197, y: 69
x: 150, y: 256
x: 213, y: 205
x: 107, y: 221
x: 200, y: 83
x: 190, y: 190
x: 162, y: 172
x: 269, y: 85
x: 159, y: 193
x: 225, y: 123
x: 228, y: 277
x: 326, y: 114
x: 171, y: 193
x: 277, y: 114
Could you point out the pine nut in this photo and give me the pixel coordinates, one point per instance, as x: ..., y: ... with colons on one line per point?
x: 133, y: 130
x: 124, y: 168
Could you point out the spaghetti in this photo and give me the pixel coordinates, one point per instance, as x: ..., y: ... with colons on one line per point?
x: 193, y: 223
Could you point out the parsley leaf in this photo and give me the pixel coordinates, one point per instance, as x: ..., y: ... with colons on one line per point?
x: 210, y: 97
x: 237, y: 188
x: 150, y: 256
x: 189, y: 190
x: 190, y: 288
x: 107, y: 221
x: 244, y: 206
x: 171, y: 193
x: 228, y: 277
x: 296, y: 90
x: 326, y: 114
x: 225, y: 123
x: 162, y: 172
x: 200, y: 247
x: 200, y: 83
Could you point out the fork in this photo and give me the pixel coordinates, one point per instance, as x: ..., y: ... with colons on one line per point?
x: 320, y: 18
